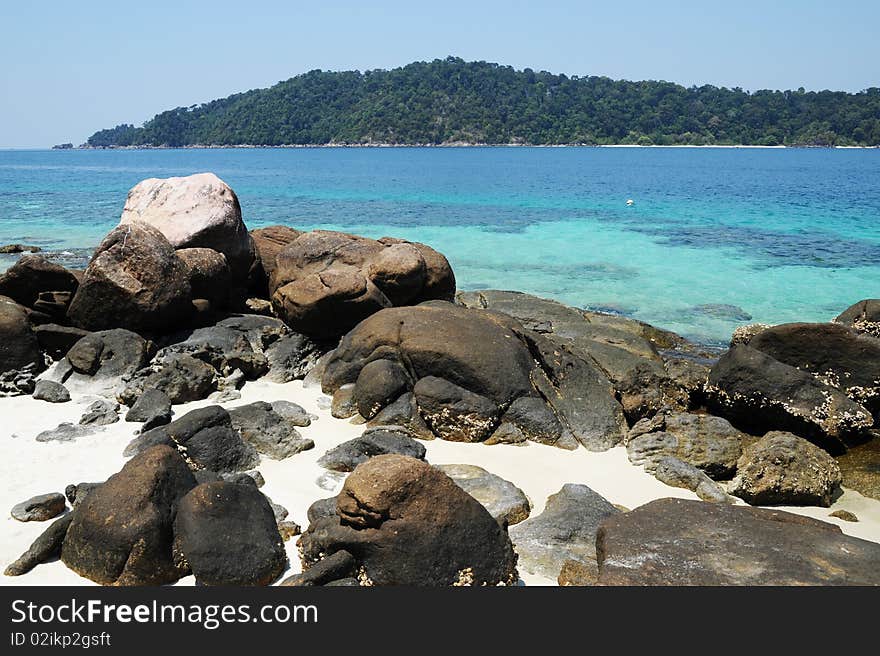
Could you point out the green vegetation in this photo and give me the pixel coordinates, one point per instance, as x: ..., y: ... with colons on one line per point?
x: 450, y: 100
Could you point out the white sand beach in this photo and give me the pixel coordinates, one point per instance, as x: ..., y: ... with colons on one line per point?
x: 33, y: 468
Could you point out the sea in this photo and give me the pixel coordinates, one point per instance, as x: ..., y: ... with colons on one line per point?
x: 714, y: 238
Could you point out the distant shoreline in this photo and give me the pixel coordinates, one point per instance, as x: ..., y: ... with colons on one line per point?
x: 455, y: 145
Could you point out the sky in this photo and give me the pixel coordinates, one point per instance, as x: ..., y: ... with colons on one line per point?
x: 72, y: 68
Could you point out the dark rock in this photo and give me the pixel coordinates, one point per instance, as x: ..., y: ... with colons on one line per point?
x: 58, y: 340
x: 181, y: 377
x: 19, y: 248
x: 407, y: 523
x: 745, y: 334
x: 43, y: 549
x: 324, y: 282
x: 47, y: 390
x: 374, y: 442
x: 76, y: 493
x: 209, y: 274
x: 98, y: 363
x: 322, y: 508
x: 17, y: 382
x: 227, y: 535
x: 100, y: 413
x: 206, y: 438
x: 845, y: 515
x: 53, y: 304
x: 269, y: 432
x: 291, y: 357
x: 674, y: 472
x: 152, y: 408
x: 338, y: 565
x: 379, y: 383
x: 532, y: 418
x: 403, y: 413
x: 758, y: 393
x: 454, y: 413
x: 32, y: 274
x: 19, y: 347
x: 679, y: 542
x: 504, y: 500
x: 833, y: 353
x: 293, y: 413
x: 121, y: 533
x: 782, y: 468
x: 860, y: 467
x: 135, y: 281
x: 863, y: 316
x: 704, y: 441
x: 39, y: 508
x: 343, y: 405
x: 565, y: 530
x: 269, y: 242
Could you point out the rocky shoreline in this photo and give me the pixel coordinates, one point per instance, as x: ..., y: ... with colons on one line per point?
x: 209, y: 341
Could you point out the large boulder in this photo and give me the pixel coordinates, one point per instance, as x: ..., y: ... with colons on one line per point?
x: 863, y: 316
x: 19, y: 347
x: 181, y: 377
x: 226, y: 533
x: 121, y: 533
x: 641, y: 361
x: 270, y: 241
x: 209, y: 275
x: 782, y: 468
x: 683, y: 542
x: 135, y: 280
x: 565, y: 530
x: 196, y: 211
x: 325, y: 282
x: 758, y: 393
x: 833, y: 353
x: 407, y: 523
x: 466, y: 368
x: 707, y: 442
x: 32, y: 275
x: 99, y: 362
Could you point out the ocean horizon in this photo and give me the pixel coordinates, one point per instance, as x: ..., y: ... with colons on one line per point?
x: 716, y: 237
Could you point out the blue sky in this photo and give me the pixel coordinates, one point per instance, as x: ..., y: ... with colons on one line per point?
x: 70, y: 68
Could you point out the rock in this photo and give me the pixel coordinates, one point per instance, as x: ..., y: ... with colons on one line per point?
x: 845, y: 515
x: 723, y: 311
x: 44, y: 548
x: 17, y: 382
x: 135, y: 281
x: 227, y: 534
x: 291, y: 357
x: 374, y: 442
x: 782, y: 468
x: 566, y: 530
x: 833, y: 353
x: 293, y: 413
x: 863, y: 316
x: 182, y: 378
x: 100, y: 413
x: 674, y: 472
x: 681, y: 542
x: 627, y: 352
x: 757, y: 393
x: 407, y: 523
x: 121, y: 533
x: 531, y: 418
x: 53, y: 305
x: 152, y: 408
x: 343, y: 405
x: 33, y: 274
x: 39, y: 508
x: 321, y: 508
x: 338, y: 565
x: 744, y: 334
x: 576, y: 573
x: 504, y: 500
x: 860, y: 467
x: 19, y: 248
x: 47, y: 390
x: 454, y: 413
x: 704, y: 441
x: 268, y: 431
x: 269, y: 242
x: 76, y: 493
x: 467, y: 367
x: 57, y: 340
x: 325, y: 282
x: 19, y: 347
x: 65, y: 432
x: 288, y: 529
x: 196, y: 211
x: 209, y: 275
x: 98, y: 363
x: 379, y: 383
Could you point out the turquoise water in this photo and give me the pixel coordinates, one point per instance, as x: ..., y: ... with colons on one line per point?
x: 782, y: 235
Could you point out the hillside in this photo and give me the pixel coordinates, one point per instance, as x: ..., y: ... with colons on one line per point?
x: 453, y: 101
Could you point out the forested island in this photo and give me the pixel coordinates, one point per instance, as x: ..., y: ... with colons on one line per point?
x: 451, y: 102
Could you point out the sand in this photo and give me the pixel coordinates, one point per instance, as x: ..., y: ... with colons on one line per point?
x: 32, y: 468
